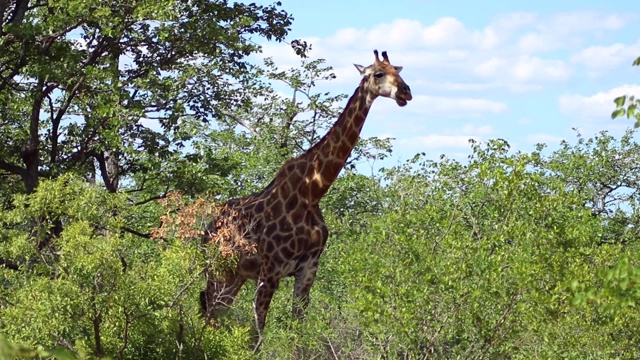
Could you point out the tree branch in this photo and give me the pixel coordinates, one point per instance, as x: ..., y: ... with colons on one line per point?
x: 30, y: 150
x: 19, y: 12
x: 135, y: 232
x: 72, y: 94
x: 102, y: 164
x: 158, y: 197
x: 11, y: 168
x: 184, y: 289
x: 16, y: 69
x: 97, y: 338
x: 240, y: 121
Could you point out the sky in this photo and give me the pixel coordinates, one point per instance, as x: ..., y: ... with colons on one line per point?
x: 527, y: 72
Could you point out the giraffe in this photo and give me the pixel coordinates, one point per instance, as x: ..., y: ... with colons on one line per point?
x: 284, y: 220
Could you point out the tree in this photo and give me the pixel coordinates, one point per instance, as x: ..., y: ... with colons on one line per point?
x: 99, y: 104
x: 105, y: 109
x: 99, y: 291
x: 80, y: 83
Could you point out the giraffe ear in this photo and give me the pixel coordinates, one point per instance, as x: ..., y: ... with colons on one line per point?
x: 360, y: 68
x: 398, y: 69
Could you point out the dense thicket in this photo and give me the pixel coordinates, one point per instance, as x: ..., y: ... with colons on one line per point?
x: 106, y: 108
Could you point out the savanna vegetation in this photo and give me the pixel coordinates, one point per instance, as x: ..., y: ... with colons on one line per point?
x: 115, y: 116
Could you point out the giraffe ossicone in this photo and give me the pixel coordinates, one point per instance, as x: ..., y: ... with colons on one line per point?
x: 284, y: 220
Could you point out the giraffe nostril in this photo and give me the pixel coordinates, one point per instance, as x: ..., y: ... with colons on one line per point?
x: 406, y: 87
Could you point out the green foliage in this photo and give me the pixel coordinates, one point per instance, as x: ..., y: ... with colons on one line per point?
x: 509, y: 255
x: 9, y: 351
x: 506, y: 255
x: 628, y: 105
x: 95, y: 289
x: 106, y: 108
x: 123, y: 89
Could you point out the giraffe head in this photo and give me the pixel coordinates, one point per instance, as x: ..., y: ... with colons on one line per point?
x: 383, y: 79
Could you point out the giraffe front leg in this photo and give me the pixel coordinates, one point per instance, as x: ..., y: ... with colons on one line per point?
x: 264, y: 294
x: 220, y: 294
x: 304, y: 279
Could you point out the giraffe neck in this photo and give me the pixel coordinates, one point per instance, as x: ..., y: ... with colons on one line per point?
x: 312, y: 173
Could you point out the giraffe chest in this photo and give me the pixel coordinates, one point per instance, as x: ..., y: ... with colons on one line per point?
x: 288, y: 233
x: 293, y: 233
x: 288, y: 239
x: 282, y: 251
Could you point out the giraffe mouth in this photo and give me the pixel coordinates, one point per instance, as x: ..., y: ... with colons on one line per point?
x: 402, y: 98
x: 401, y: 102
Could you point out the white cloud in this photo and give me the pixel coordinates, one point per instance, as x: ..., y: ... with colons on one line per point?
x: 430, y: 59
x: 445, y: 31
x: 523, y: 69
x: 535, y: 42
x: 403, y: 33
x: 478, y: 130
x: 449, y: 106
x: 592, y: 114
x: 346, y: 75
x: 583, y: 21
x: 490, y: 67
x: 528, y: 68
x: 462, y: 86
x: 453, y: 138
x: 595, y: 106
x: 506, y: 53
x: 568, y: 30
x: 607, y: 57
x: 150, y: 124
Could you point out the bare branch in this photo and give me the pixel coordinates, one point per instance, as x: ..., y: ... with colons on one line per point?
x: 240, y: 121
x: 158, y: 197
x: 16, y: 69
x: 333, y: 351
x: 72, y: 94
x: 135, y: 232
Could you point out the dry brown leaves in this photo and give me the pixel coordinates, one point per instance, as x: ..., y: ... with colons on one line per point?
x: 188, y: 220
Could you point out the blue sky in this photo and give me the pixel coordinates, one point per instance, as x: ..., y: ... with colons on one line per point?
x: 527, y: 72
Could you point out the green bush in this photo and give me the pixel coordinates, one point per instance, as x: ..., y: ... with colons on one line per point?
x: 95, y: 289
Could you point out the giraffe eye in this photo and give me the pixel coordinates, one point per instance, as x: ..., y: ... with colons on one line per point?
x: 378, y: 75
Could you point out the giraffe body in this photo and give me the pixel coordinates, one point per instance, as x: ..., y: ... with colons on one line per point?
x: 284, y: 219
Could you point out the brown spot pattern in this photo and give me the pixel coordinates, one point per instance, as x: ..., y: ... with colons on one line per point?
x: 287, y: 224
